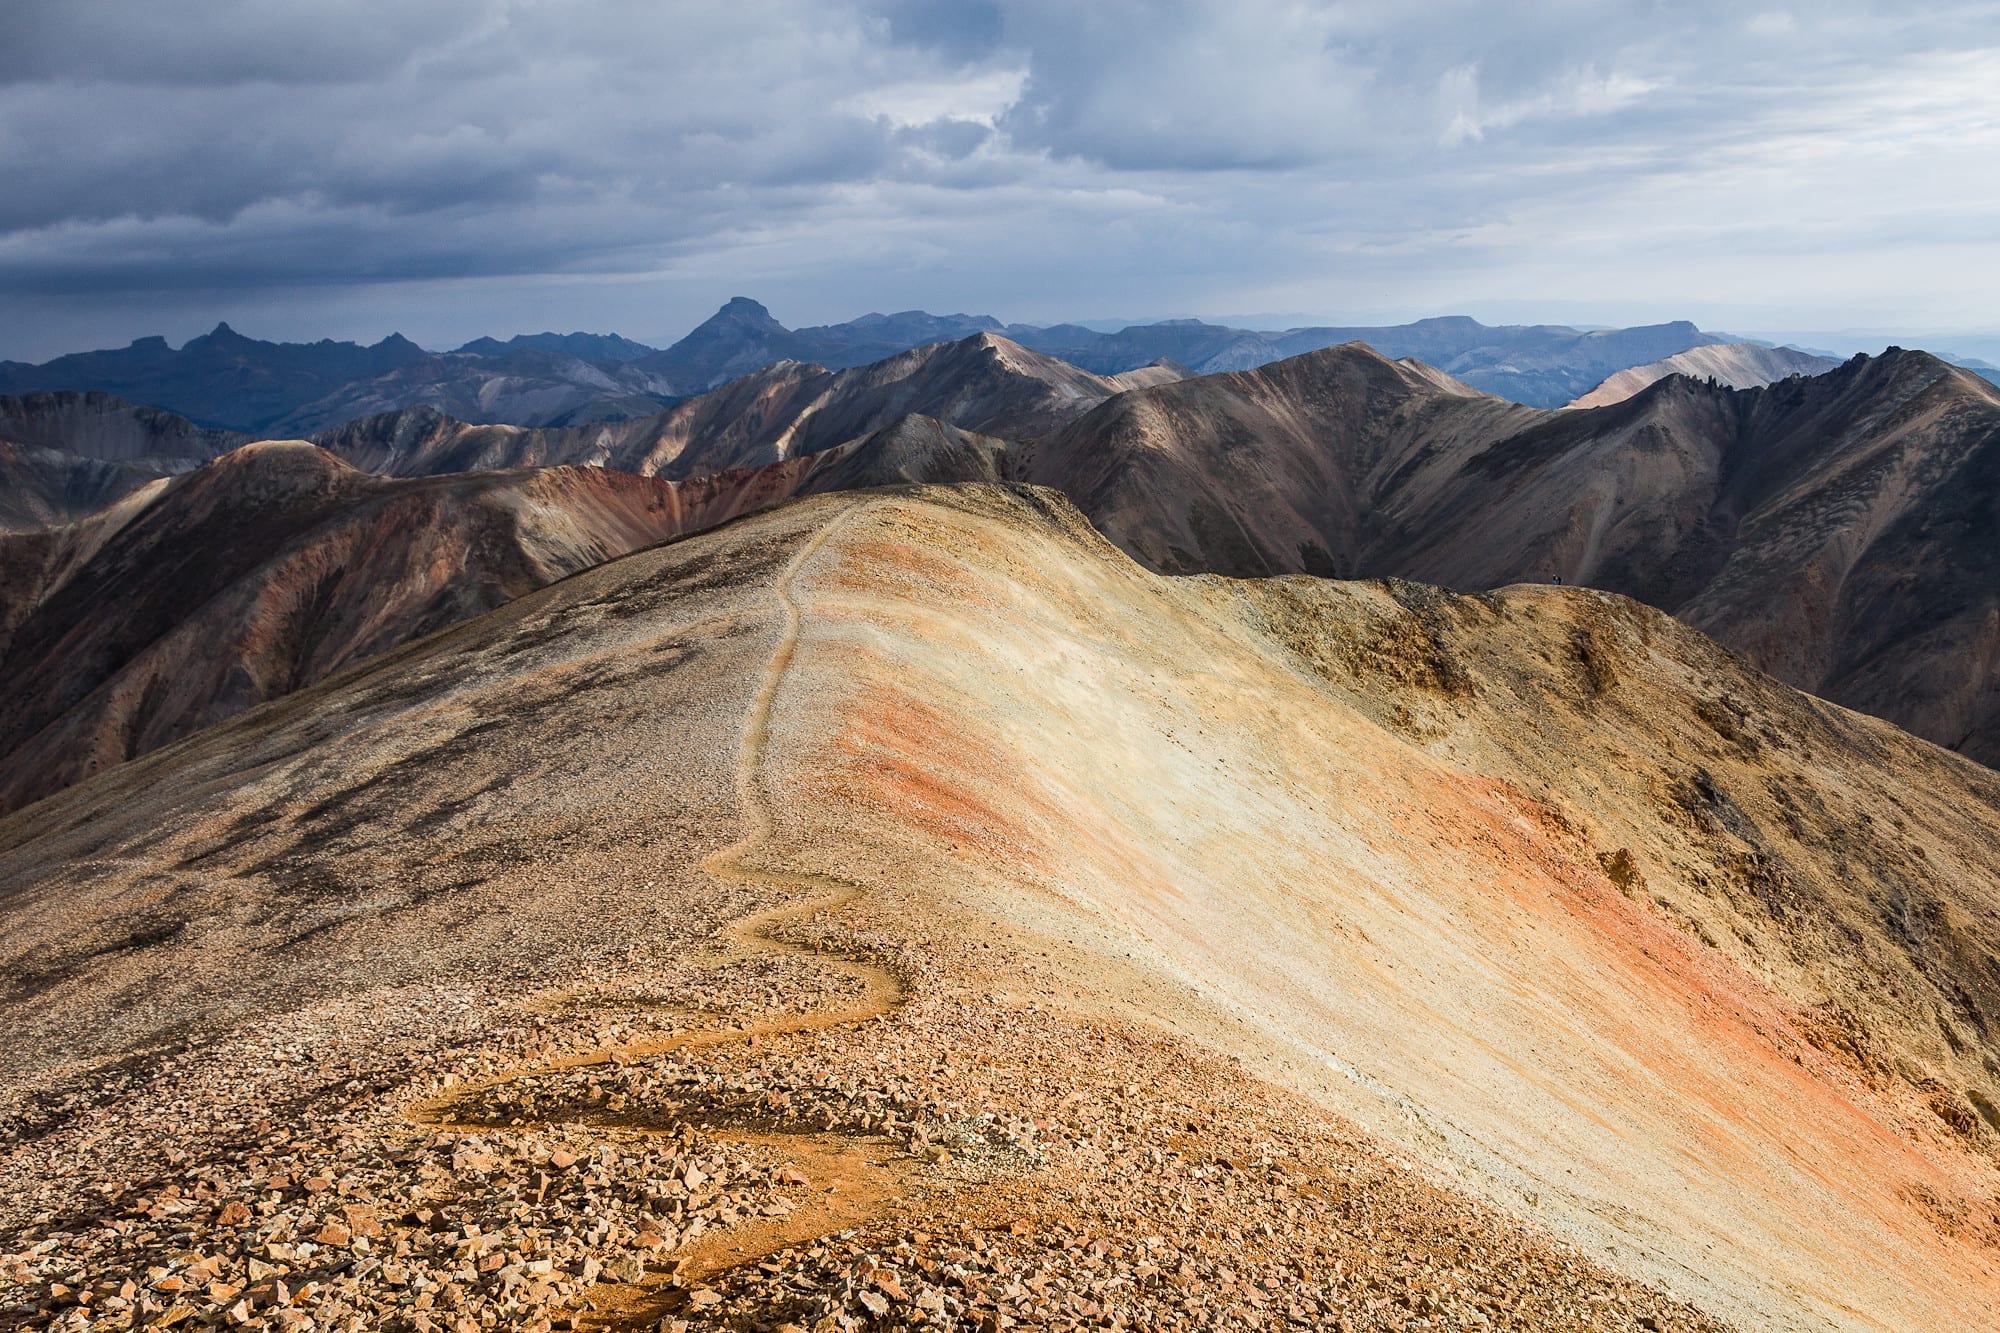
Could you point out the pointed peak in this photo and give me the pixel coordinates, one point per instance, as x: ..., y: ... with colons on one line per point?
x: 740, y: 312
x: 221, y: 333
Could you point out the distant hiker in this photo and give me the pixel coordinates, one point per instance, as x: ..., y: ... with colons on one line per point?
x: 1557, y: 579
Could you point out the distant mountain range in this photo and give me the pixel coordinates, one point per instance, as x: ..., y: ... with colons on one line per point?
x: 223, y: 380
x: 1828, y: 527
x: 982, y: 383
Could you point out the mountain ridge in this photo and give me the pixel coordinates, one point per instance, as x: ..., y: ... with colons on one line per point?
x: 271, y: 567
x: 65, y: 455
x: 983, y: 383
x: 1737, y: 365
x: 1828, y: 527
x: 1536, y: 893
x: 225, y: 380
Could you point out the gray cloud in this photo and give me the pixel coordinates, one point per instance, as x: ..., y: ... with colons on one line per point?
x: 349, y: 167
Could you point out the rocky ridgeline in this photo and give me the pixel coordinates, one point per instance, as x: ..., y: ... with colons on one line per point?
x: 664, y: 1152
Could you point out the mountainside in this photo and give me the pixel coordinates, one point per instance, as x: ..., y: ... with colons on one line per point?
x: 518, y: 386
x: 220, y: 379
x: 41, y: 488
x: 1542, y: 364
x: 223, y: 379
x: 65, y: 455
x: 279, y: 565
x: 915, y: 869
x: 743, y: 337
x: 1836, y: 529
x: 983, y: 383
x: 583, y: 346
x: 100, y: 426
x: 1737, y: 365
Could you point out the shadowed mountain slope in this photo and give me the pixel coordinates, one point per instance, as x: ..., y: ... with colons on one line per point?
x: 983, y: 383
x: 64, y: 455
x: 1636, y: 949
x: 1837, y: 529
x: 41, y: 488
x: 261, y: 572
x: 278, y: 565
x: 1734, y: 365
x: 523, y: 386
x: 100, y: 426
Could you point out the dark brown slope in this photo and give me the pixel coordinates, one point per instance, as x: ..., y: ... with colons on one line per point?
x: 268, y: 569
x: 1839, y: 530
x: 984, y: 384
x: 64, y: 455
x: 1269, y: 471
x: 279, y: 565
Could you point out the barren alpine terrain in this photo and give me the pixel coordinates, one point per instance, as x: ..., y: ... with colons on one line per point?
x: 900, y: 909
x: 1734, y: 365
x: 277, y: 565
x: 785, y: 410
x: 1835, y: 529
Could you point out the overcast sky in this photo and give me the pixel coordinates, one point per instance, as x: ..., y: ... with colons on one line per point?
x: 309, y: 168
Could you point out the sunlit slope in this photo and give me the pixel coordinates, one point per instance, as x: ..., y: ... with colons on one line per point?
x: 1540, y: 884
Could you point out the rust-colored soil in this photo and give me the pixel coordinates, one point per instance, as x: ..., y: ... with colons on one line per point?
x: 1121, y: 951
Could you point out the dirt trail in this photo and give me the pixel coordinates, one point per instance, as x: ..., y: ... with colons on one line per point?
x: 751, y: 936
x: 862, y: 1193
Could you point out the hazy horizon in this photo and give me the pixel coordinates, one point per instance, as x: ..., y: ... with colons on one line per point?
x: 1976, y: 344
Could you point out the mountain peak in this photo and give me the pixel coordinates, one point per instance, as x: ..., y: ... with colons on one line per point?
x: 739, y: 317
x: 221, y: 333
x: 742, y: 307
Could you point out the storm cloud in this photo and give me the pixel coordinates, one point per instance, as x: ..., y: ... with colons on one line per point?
x: 487, y: 166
